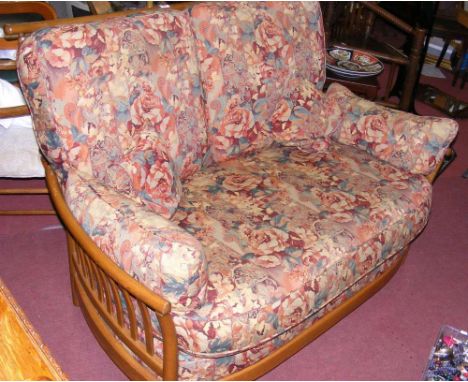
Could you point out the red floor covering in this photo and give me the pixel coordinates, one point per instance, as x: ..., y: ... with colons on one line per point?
x: 387, y: 338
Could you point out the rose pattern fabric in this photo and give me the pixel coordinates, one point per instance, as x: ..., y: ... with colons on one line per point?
x: 299, y: 118
x: 152, y: 249
x: 120, y: 100
x: 254, y: 275
x: 253, y: 56
x: 284, y: 233
x: 249, y: 251
x: 192, y: 367
x: 413, y: 143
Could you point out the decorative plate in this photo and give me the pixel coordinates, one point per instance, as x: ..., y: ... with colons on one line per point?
x: 352, y: 63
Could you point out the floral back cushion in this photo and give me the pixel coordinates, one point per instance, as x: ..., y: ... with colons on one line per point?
x: 410, y: 142
x: 253, y: 56
x: 119, y: 100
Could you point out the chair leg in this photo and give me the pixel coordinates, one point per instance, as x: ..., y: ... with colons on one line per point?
x: 442, y: 54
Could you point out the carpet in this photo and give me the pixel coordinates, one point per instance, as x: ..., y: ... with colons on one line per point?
x: 388, y: 338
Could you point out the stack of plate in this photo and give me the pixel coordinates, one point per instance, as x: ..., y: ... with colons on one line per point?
x: 352, y: 63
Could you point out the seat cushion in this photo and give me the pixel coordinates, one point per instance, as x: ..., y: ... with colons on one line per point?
x: 285, y: 232
x: 254, y: 57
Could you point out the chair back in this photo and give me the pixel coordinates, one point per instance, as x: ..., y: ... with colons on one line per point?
x: 349, y: 19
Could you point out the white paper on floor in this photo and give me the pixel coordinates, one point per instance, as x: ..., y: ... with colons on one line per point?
x: 430, y: 70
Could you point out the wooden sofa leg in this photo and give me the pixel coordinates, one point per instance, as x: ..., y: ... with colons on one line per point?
x: 71, y: 253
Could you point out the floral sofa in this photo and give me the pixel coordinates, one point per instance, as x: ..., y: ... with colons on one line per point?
x: 208, y: 178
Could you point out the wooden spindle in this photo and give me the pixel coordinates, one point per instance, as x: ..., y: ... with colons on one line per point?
x: 148, y: 328
x: 107, y: 293
x: 130, y: 313
x: 117, y: 302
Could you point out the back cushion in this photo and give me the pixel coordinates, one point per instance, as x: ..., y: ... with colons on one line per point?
x: 119, y: 100
x: 263, y: 68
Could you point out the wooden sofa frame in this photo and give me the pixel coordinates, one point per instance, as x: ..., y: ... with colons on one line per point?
x: 116, y: 306
x: 98, y: 286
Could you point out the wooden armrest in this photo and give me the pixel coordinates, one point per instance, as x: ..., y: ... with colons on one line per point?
x: 392, y: 19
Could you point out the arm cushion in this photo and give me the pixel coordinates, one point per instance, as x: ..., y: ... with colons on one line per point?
x: 150, y: 248
x: 413, y: 143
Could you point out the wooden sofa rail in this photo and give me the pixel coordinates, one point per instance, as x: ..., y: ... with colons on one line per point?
x: 112, y: 301
x: 115, y: 305
x: 16, y: 30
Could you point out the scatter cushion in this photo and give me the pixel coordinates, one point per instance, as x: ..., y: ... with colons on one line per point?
x: 413, y: 143
x: 145, y: 174
x: 252, y: 57
x: 285, y: 232
x: 119, y: 100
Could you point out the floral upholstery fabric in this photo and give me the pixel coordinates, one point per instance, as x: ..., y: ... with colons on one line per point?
x: 204, y: 368
x: 412, y: 143
x: 254, y: 245
x: 284, y: 233
x: 194, y: 367
x: 119, y: 100
x: 152, y: 249
x: 253, y: 56
x: 266, y: 244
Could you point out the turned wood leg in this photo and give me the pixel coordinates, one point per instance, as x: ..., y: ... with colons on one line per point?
x: 442, y: 54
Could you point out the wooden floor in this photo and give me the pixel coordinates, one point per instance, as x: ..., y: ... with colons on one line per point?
x: 23, y: 356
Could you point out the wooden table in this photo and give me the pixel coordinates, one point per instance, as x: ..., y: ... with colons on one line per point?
x: 23, y: 356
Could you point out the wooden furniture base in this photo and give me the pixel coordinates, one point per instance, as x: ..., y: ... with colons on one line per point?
x: 99, y: 286
x: 23, y: 356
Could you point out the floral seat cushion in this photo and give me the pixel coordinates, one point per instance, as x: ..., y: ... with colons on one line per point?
x: 284, y: 233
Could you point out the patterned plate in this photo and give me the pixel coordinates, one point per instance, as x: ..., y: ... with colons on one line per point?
x: 352, y: 63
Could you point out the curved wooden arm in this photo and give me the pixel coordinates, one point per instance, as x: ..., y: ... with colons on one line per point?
x: 141, y: 292
x: 117, y: 307
x: 25, y: 28
x: 36, y: 7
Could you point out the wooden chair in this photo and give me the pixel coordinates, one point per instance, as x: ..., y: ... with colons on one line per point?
x: 452, y: 28
x: 350, y: 24
x: 11, y: 11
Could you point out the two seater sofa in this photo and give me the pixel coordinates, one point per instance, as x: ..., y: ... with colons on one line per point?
x: 222, y: 211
